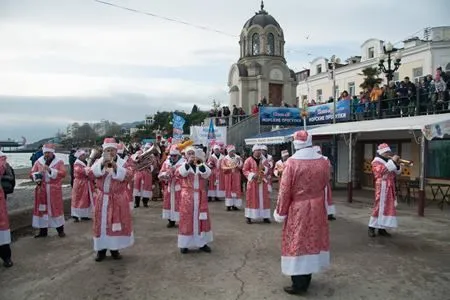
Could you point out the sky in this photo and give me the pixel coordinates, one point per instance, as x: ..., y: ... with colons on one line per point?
x: 65, y: 61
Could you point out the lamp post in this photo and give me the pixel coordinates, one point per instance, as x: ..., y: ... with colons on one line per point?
x: 334, y: 60
x: 388, y: 50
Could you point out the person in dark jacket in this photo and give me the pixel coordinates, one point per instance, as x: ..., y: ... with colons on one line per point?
x: 72, y: 160
x: 36, y: 155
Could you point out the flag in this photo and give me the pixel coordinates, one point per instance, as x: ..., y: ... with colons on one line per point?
x: 211, y: 134
x: 178, y: 123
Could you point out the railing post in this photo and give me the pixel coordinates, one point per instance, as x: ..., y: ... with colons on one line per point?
x: 417, y: 102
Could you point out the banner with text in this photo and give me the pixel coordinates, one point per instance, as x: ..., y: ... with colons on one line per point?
x: 318, y: 114
x: 200, y: 134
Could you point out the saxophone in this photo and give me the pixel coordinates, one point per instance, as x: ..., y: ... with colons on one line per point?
x: 260, y: 173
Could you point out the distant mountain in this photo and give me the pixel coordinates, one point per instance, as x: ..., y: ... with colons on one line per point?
x: 131, y: 125
x: 37, y: 144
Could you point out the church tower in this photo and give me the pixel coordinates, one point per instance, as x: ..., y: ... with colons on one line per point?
x: 261, y: 71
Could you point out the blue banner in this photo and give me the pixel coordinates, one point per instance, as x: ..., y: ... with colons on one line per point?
x: 178, y: 123
x: 323, y: 113
x: 319, y: 114
x: 211, y: 133
x: 269, y: 115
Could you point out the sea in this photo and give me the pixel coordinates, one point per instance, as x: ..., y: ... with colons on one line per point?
x: 22, y: 160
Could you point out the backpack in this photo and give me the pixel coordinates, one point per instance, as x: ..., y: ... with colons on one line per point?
x: 8, y: 180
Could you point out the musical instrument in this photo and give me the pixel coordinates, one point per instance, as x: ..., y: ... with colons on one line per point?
x: 146, y: 159
x: 234, y: 164
x: 260, y: 173
x: 96, y: 153
x: 107, y: 160
x: 405, y: 162
x: 280, y: 169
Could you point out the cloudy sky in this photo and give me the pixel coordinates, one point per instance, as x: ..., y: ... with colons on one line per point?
x: 63, y: 61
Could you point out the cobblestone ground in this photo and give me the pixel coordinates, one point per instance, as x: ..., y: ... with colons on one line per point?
x: 244, y: 264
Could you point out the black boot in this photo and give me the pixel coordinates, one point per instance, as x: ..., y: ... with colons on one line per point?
x: 60, y: 230
x: 209, y: 199
x: 86, y: 219
x: 184, y: 250
x: 171, y: 224
x: 205, y: 249
x: 116, y: 254
x: 5, y: 254
x: 331, y: 218
x: 43, y: 232
x: 228, y: 208
x: 383, y: 232
x: 101, y: 255
x: 371, y: 232
x: 145, y: 201
x: 216, y: 199
x: 300, y: 284
x: 76, y: 219
x: 235, y: 208
x: 249, y: 221
x: 267, y: 221
x: 137, y: 201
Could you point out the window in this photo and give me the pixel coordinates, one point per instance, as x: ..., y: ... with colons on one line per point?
x: 319, y: 69
x: 351, y: 89
x: 319, y: 96
x: 255, y: 44
x: 371, y: 52
x: 417, y: 73
x: 438, y: 159
x: 270, y: 44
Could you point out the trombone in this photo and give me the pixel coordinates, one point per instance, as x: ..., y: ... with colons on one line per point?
x: 408, y: 163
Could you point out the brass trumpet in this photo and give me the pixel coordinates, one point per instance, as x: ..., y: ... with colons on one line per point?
x: 198, y: 162
x: 260, y: 173
x: 405, y: 162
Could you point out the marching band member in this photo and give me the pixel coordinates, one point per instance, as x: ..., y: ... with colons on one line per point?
x: 83, y: 189
x: 279, y: 166
x: 171, y: 186
x: 385, y: 167
x: 270, y: 163
x: 231, y: 166
x: 216, y: 180
x: 300, y: 205
x: 143, y: 185
x: 112, y: 217
x: 194, y: 229
x: 48, y: 173
x: 5, y: 233
x: 331, y: 209
x: 257, y: 195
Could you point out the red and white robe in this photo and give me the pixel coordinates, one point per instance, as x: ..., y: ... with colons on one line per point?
x: 194, y: 229
x: 216, y: 186
x: 129, y: 164
x: 82, y: 191
x: 305, y: 238
x: 279, y: 165
x: 384, y: 213
x: 171, y: 190
x: 233, y: 191
x: 5, y: 234
x: 331, y: 209
x: 112, y: 219
x: 143, y: 183
x: 48, y: 197
x: 257, y: 195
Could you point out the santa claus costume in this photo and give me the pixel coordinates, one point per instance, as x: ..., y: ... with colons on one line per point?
x: 83, y: 189
x: 194, y: 230
x: 268, y: 160
x: 129, y: 164
x: 301, y: 206
x: 171, y: 186
x: 112, y: 219
x: 5, y: 234
x: 384, y: 213
x: 143, y: 182
x: 279, y: 165
x: 331, y: 209
x: 48, y: 173
x: 231, y: 166
x: 257, y: 195
x: 216, y: 188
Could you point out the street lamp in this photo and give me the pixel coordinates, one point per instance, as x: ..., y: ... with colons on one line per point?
x: 334, y: 60
x: 388, y: 50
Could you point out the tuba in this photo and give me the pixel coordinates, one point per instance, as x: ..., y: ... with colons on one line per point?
x: 95, y: 154
x: 147, y: 158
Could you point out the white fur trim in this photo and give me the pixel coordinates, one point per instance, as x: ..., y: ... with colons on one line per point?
x: 233, y: 202
x: 331, y: 209
x: 183, y: 171
x: 109, y: 145
x: 306, y: 153
x: 177, y: 187
x: 305, y: 264
x: 116, y: 227
x: 47, y: 222
x: 120, y: 174
x: 250, y: 176
x: 42, y: 207
x: 5, y: 237
x: 277, y: 217
x: 170, y: 215
x: 203, y: 216
x: 383, y: 222
x: 97, y: 168
x: 113, y: 242
x: 303, y: 144
x: 195, y: 241
x: 81, y: 212
x: 48, y: 150
x: 53, y: 173
x: 390, y: 165
x: 384, y: 150
x: 255, y: 213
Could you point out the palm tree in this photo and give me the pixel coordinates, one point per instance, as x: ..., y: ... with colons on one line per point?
x: 371, y: 78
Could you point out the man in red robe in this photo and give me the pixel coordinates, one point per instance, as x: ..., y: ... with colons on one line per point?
x: 216, y: 188
x: 279, y: 165
x: 231, y: 166
x: 194, y: 230
x: 385, y: 168
x: 257, y: 195
x: 270, y: 163
x: 301, y: 206
x: 112, y: 217
x: 48, y: 173
x: 83, y: 189
x: 143, y: 182
x: 5, y: 234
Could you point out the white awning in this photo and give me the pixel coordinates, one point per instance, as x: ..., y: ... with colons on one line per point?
x: 405, y: 123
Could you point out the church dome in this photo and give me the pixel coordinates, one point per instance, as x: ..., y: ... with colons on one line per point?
x: 261, y: 18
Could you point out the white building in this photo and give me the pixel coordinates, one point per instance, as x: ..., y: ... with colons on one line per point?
x: 72, y: 129
x: 419, y: 57
x: 149, y: 120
